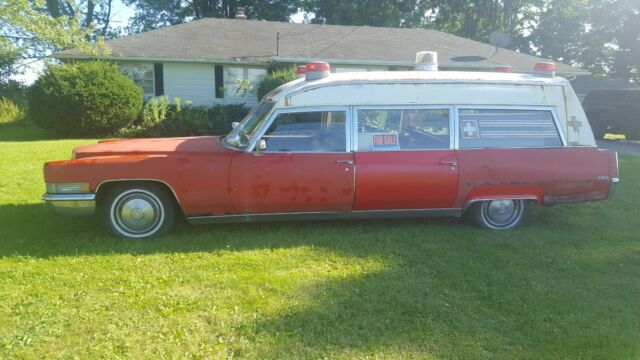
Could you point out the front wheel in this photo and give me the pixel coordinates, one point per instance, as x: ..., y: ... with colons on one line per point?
x: 138, y: 211
x: 500, y: 214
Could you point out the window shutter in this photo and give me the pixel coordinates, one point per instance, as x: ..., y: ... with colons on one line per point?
x: 158, y: 77
x: 219, y: 82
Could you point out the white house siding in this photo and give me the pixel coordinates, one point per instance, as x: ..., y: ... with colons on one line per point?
x: 191, y: 82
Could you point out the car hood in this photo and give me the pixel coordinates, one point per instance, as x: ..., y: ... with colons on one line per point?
x: 155, y: 146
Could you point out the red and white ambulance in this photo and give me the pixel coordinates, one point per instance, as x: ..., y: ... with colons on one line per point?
x: 355, y: 145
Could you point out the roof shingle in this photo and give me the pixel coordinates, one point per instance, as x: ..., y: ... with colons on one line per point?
x: 228, y: 40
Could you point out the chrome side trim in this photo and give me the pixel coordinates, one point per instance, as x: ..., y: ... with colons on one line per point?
x: 329, y: 215
x: 471, y: 202
x: 68, y: 197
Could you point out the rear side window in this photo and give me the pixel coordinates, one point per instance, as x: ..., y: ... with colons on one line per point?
x: 505, y: 128
x: 403, y: 129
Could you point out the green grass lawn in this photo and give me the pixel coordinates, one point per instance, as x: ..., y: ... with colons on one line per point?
x: 567, y: 285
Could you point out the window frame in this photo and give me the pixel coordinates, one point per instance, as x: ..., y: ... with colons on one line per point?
x: 129, y: 74
x: 271, y: 118
x: 354, y: 129
x: 551, y: 109
x: 230, y: 95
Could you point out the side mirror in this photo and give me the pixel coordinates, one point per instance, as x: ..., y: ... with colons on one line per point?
x: 234, y: 124
x: 261, y: 146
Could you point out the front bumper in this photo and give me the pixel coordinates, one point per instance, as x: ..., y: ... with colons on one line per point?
x: 72, y: 204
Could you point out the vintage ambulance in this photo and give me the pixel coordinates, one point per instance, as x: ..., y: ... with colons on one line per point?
x: 355, y: 145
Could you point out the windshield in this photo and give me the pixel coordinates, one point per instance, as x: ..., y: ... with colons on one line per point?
x: 242, y: 134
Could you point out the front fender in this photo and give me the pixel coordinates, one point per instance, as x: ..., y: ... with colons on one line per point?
x: 199, y: 182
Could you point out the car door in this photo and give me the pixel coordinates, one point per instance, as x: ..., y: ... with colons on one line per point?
x: 404, y: 158
x: 306, y: 165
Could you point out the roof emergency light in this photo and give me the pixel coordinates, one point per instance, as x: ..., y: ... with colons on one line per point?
x: 427, y: 61
x: 300, y: 71
x: 503, y: 69
x: 317, y: 70
x: 545, y: 69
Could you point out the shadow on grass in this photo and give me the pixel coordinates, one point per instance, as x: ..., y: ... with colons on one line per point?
x: 22, y: 132
x: 448, y: 289
x: 36, y: 230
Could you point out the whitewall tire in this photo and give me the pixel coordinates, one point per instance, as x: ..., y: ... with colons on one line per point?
x: 499, y: 214
x: 138, y: 211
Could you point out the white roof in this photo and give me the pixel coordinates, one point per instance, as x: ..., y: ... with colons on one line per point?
x: 423, y: 76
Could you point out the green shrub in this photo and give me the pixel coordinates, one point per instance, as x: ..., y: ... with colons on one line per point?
x: 275, y: 79
x: 14, y: 92
x: 85, y: 99
x: 155, y: 110
x: 186, y: 120
x: 9, y: 111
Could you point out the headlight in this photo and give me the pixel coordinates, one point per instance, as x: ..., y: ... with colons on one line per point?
x: 67, y: 188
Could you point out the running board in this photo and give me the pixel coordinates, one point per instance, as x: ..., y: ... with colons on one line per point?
x: 360, y: 214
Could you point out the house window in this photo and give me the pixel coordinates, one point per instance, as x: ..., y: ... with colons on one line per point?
x: 142, y: 75
x: 241, y: 82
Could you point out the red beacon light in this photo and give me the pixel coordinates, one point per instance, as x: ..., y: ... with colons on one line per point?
x: 545, y: 69
x: 503, y: 69
x: 317, y: 70
x: 300, y: 71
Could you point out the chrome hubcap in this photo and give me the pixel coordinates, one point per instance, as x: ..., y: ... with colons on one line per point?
x: 137, y: 212
x: 502, y: 213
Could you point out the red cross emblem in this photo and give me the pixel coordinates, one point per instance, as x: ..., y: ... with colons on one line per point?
x: 469, y: 129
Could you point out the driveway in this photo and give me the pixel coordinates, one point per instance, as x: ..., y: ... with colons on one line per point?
x: 621, y: 146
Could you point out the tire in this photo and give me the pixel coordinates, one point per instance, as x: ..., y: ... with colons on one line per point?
x: 139, y: 211
x: 500, y: 214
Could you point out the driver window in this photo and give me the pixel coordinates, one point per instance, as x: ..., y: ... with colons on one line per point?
x: 403, y: 129
x: 309, y: 131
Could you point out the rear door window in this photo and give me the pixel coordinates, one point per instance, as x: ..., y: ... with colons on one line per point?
x: 403, y: 129
x: 507, y: 128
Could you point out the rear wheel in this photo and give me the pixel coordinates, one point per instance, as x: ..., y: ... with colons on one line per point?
x: 500, y: 214
x: 138, y: 211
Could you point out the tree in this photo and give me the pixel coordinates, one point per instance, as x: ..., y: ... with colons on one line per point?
x: 626, y: 60
x: 28, y: 32
x: 476, y: 19
x: 153, y: 14
x: 602, y: 36
x: 387, y: 13
x: 95, y: 14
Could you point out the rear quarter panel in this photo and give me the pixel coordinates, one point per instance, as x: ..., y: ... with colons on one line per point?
x: 550, y: 176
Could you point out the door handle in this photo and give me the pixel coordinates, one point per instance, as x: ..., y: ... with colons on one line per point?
x: 450, y: 163
x: 350, y: 162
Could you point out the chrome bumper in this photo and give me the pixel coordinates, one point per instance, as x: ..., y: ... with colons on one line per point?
x: 614, y: 185
x: 72, y: 204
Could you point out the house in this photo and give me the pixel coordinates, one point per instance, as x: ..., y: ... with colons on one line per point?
x: 204, y: 61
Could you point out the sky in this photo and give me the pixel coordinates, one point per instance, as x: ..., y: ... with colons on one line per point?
x: 120, y: 17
